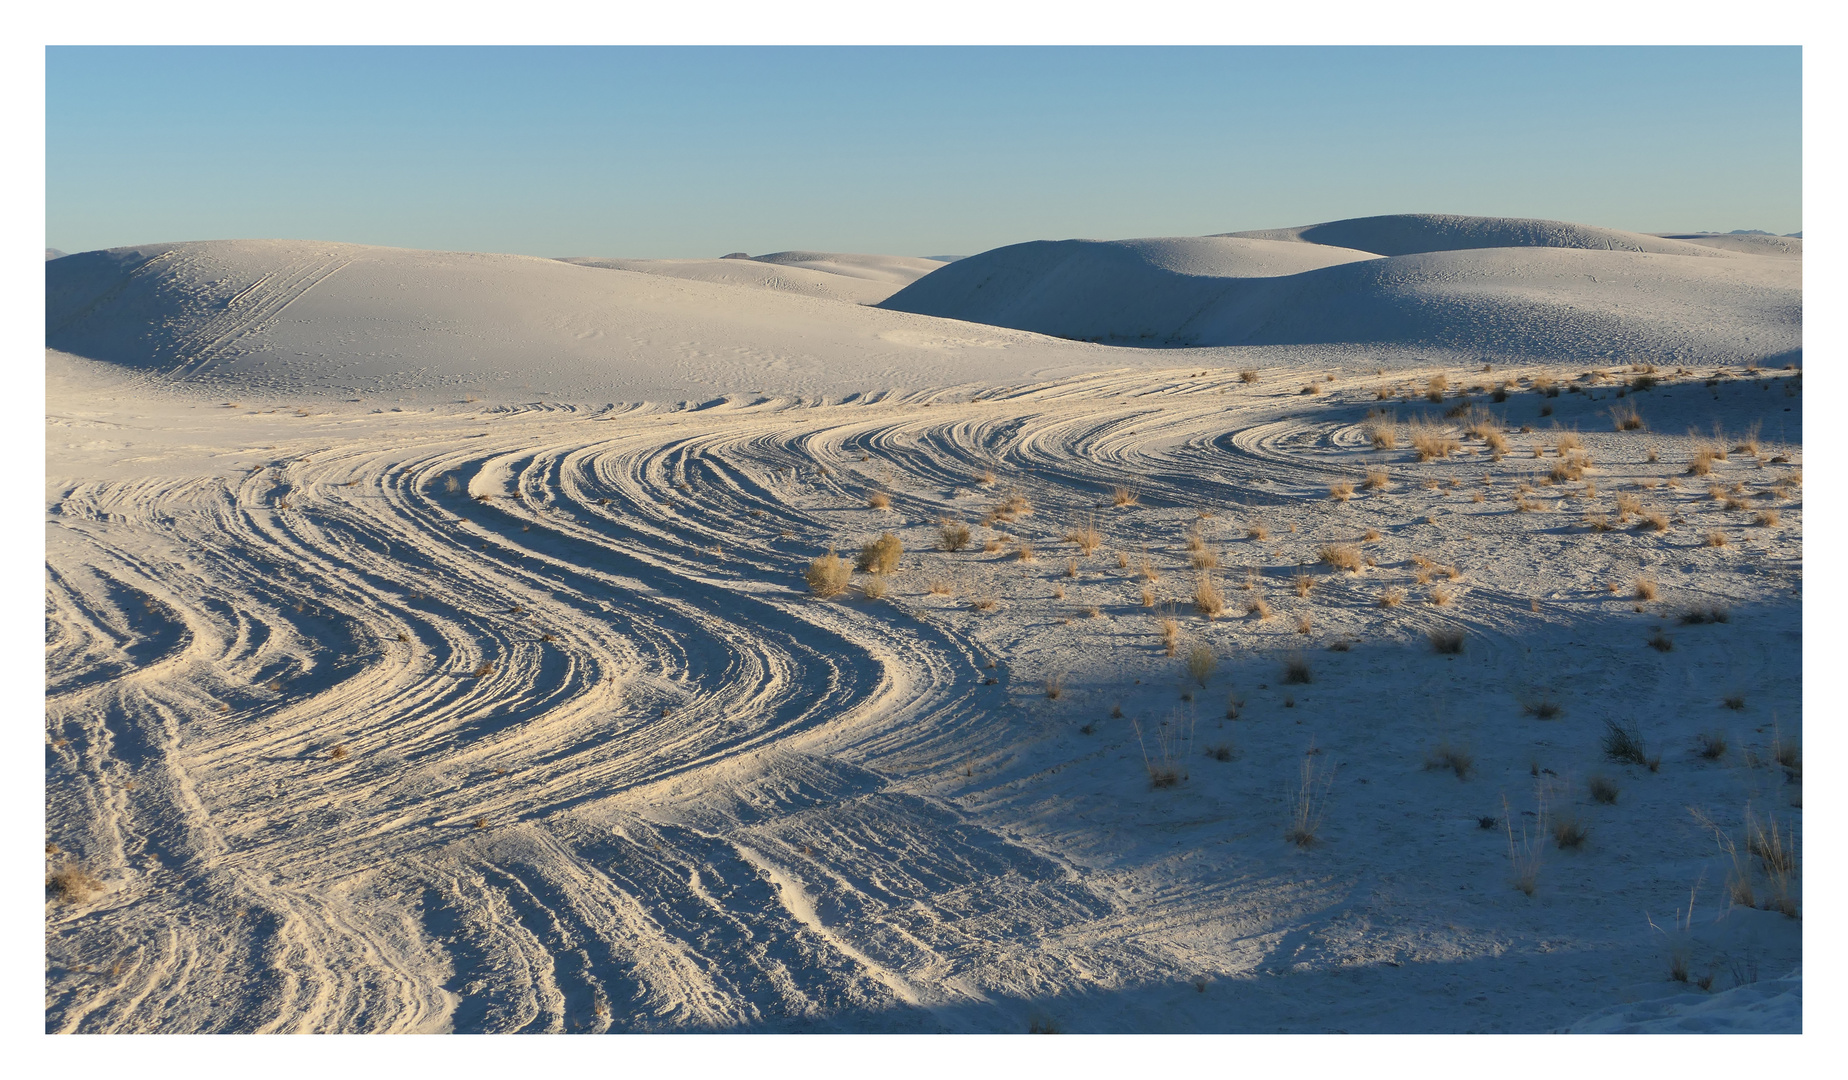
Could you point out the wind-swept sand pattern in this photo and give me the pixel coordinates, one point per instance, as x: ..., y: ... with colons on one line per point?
x: 519, y: 718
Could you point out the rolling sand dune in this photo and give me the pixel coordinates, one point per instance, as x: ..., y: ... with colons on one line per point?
x: 1508, y: 288
x: 408, y: 712
x: 854, y: 279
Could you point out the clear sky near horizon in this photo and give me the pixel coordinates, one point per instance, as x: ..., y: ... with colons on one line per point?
x: 688, y: 152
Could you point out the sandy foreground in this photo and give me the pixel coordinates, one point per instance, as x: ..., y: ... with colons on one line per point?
x: 371, y: 707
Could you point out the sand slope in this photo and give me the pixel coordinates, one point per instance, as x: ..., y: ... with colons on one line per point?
x: 1504, y: 287
x: 252, y: 316
x: 854, y: 279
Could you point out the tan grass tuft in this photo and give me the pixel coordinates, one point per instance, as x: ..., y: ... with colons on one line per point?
x: 1341, y: 491
x: 828, y: 575
x: 952, y: 535
x: 1341, y: 557
x: 879, y: 500
x: 1125, y: 496
x: 1207, y: 598
x: 1391, y: 598
x: 880, y: 556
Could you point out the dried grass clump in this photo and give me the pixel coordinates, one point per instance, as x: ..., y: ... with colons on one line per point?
x: 1304, y: 624
x: 1447, y: 641
x: 1382, y: 430
x: 828, y: 575
x: 1014, y: 506
x: 942, y: 587
x: 1303, y: 583
x: 1541, y: 707
x: 952, y: 535
x: 1259, y: 607
x: 1446, y: 756
x: 985, y: 478
x: 1662, y: 643
x: 1748, y: 443
x: 1377, y: 478
x: 1624, y: 743
x: 1025, y: 552
x: 874, y: 587
x: 1164, y: 749
x: 1200, y: 664
x: 1654, y: 520
x: 1296, y: 669
x: 1148, y: 570
x: 1310, y: 804
x: 72, y: 884
x: 880, y: 556
x: 1431, y: 441
x: 1441, y: 596
x: 1170, y: 630
x: 879, y: 500
x: 1248, y: 375
x: 1391, y: 598
x: 1497, y: 444
x: 1086, y: 537
x: 1566, y: 440
x: 1710, y: 746
x: 1598, y: 523
x: 1148, y: 596
x: 1435, y: 387
x: 1701, y: 464
x: 1570, y: 830
x: 1207, y: 598
x: 1766, y: 519
x: 1341, y: 557
x: 1125, y: 496
x: 1341, y: 491
x: 1204, y: 560
x: 992, y: 545
x: 983, y: 602
x: 1055, y: 687
x: 1603, y: 789
x: 1626, y: 418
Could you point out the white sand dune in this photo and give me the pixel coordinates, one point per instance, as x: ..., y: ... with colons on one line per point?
x: 373, y: 708
x: 1504, y: 287
x: 853, y: 279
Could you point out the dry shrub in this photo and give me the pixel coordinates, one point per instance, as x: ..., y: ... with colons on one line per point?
x: 1662, y: 643
x: 1441, y: 596
x: 1382, y: 430
x: 1626, y: 418
x: 1296, y: 669
x: 1055, y: 686
x: 1312, y: 388
x: 1598, y: 523
x: 1448, y: 641
x: 1058, y: 591
x: 1766, y: 518
x: 1025, y: 552
x: 1258, y: 531
x: 1204, y: 560
x: 1207, y: 598
x: 1566, y: 440
x: 1303, y: 624
x: 1014, y: 506
x: 1624, y: 743
x: 1391, y: 598
x: 1122, y: 560
x: 1498, y: 445
x: 828, y: 575
x: 1655, y: 521
x: 1310, y: 804
x: 1341, y: 491
x: 1148, y: 570
x: 942, y: 587
x: 1603, y: 789
x: 991, y: 545
x: 1086, y: 537
x: 1454, y: 758
x: 1701, y: 463
x: 1071, y: 568
x: 880, y: 556
x: 1628, y: 505
x: 1341, y: 557
x: 72, y: 884
x: 1645, y: 588
x: 1164, y: 749
x: 1748, y: 443
x: 1715, y: 539
x: 1259, y: 607
x: 1248, y: 375
x: 1570, y: 830
x: 1200, y: 663
x: 983, y: 602
x: 952, y: 535
x: 1432, y: 441
x: 1148, y: 596
x: 1711, y: 745
x: 1525, y: 505
x: 1435, y: 387
x: 484, y: 669
x: 879, y: 500
x: 1170, y: 630
x: 1422, y: 575
x: 1303, y: 583
x: 1125, y: 496
x: 1377, y: 478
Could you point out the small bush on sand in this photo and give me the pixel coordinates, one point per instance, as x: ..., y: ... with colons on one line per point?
x: 1711, y: 745
x: 1200, y: 664
x: 1524, y: 855
x: 1541, y: 706
x: 1207, y: 598
x: 1296, y: 669
x: 1248, y: 375
x: 1431, y: 441
x: 1310, y: 803
x: 1625, y: 418
x: 72, y: 884
x: 1170, y: 631
x: 1624, y: 743
x: 1258, y: 531
x: 1341, y: 557
x: 1086, y: 537
x: 1446, y: 756
x: 879, y: 500
x: 880, y: 556
x: 1645, y: 588
x: 1603, y: 789
x: 1391, y: 598
x: 1259, y: 607
x: 1055, y: 687
x: 1715, y: 539
x: 1382, y: 431
x: 1447, y: 641
x: 1165, y: 749
x: 1662, y: 643
x: 1435, y: 387
x: 952, y: 535
x: 1341, y: 491
x: 1125, y: 496
x: 1303, y: 583
x: 828, y: 575
x: 1377, y: 478
x: 1570, y: 830
x: 875, y: 587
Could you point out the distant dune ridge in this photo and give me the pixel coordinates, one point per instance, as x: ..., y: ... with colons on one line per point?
x: 310, y: 316
x: 1504, y: 285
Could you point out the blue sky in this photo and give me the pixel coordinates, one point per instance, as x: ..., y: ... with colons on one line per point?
x: 660, y: 152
